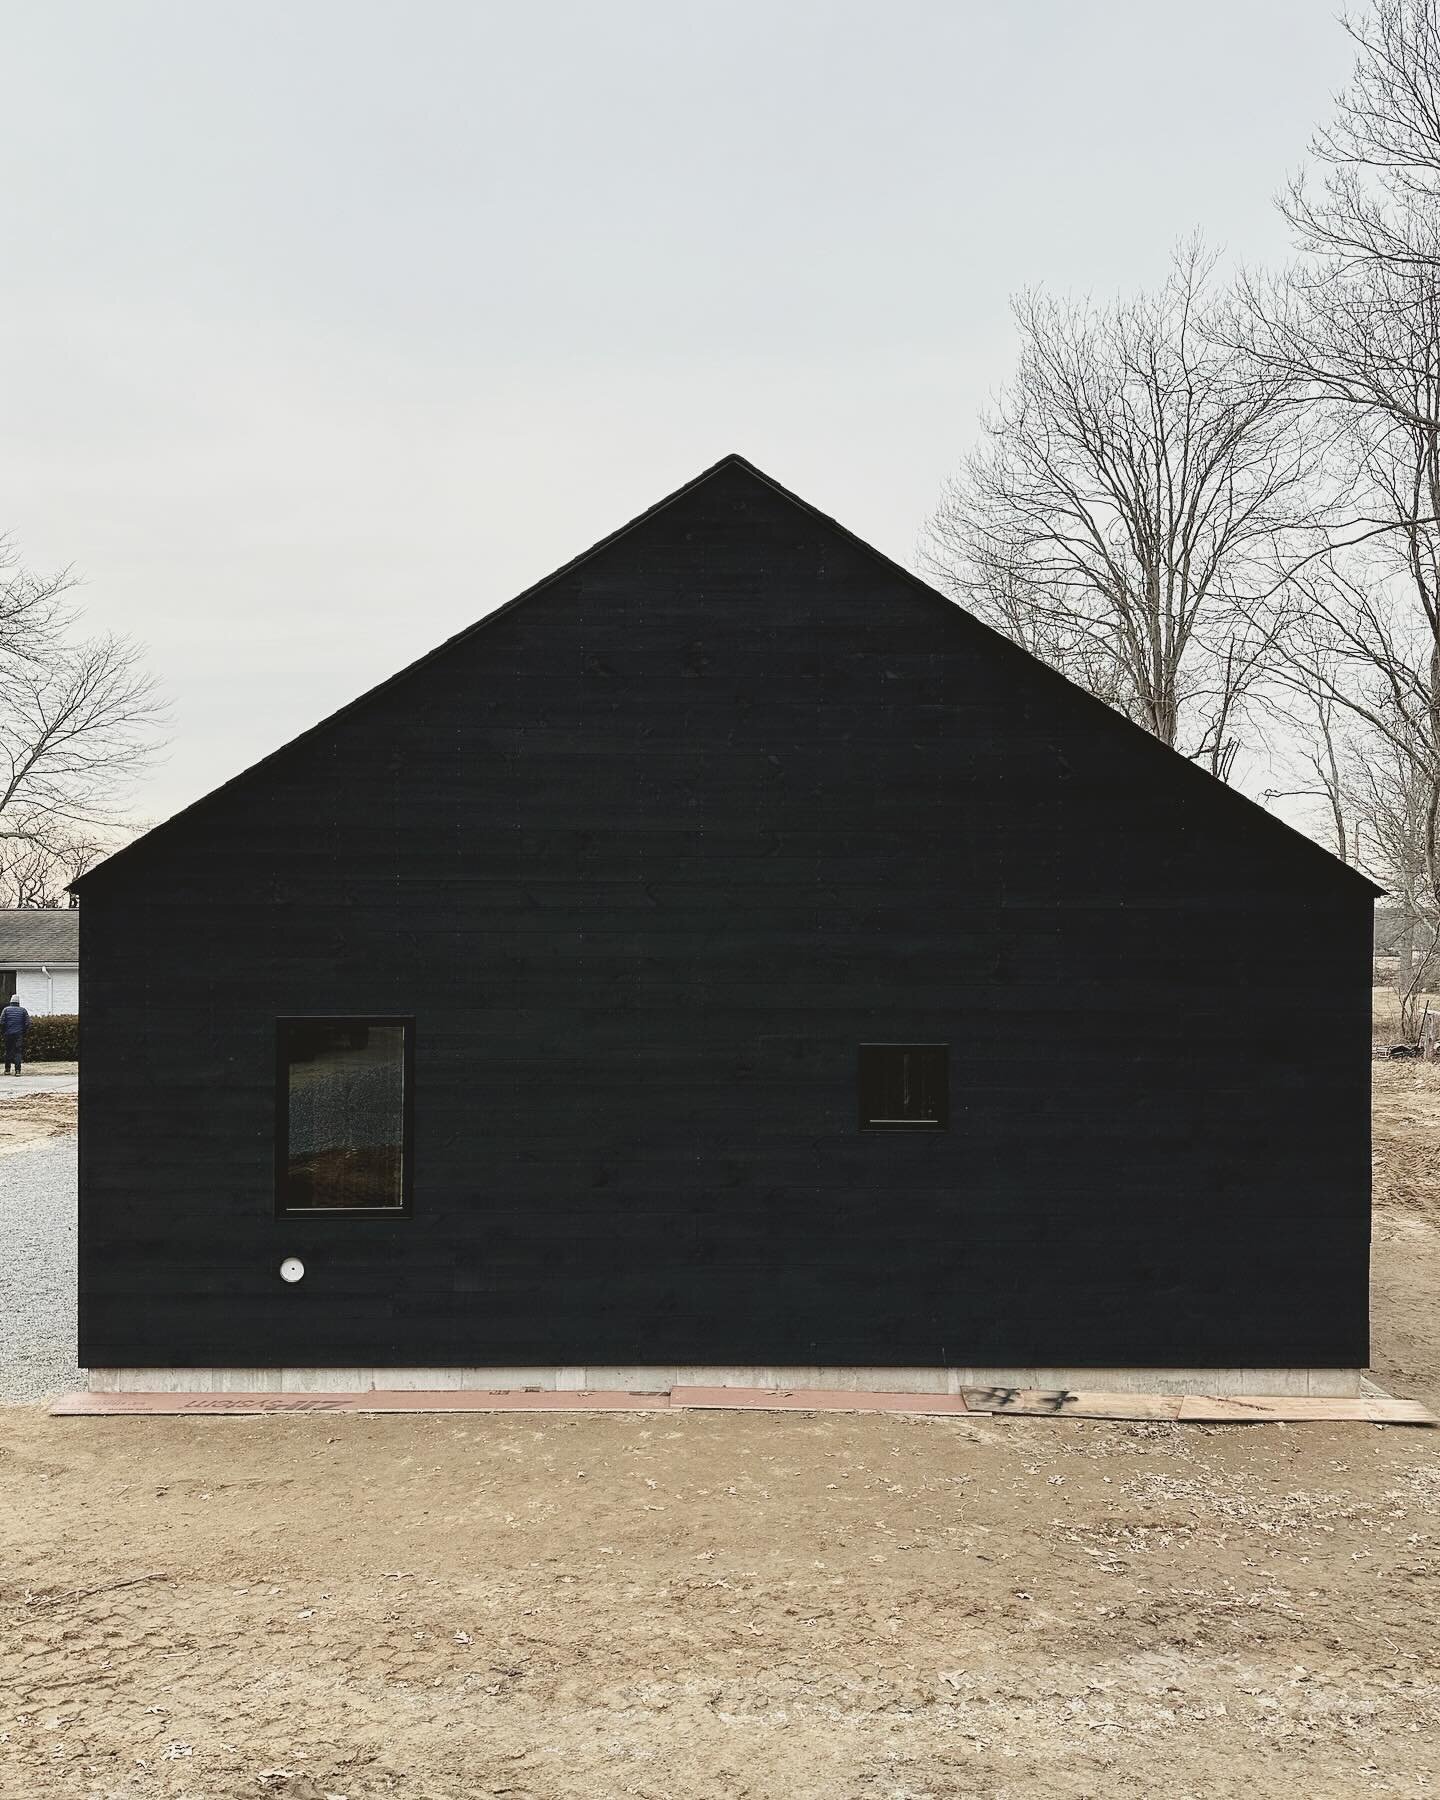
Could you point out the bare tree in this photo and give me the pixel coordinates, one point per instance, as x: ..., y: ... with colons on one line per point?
x: 38, y: 871
x: 1139, y: 488
x: 1320, y: 727
x: 1379, y: 158
x: 1374, y: 795
x: 1354, y: 327
x: 81, y: 719
x: 1390, y: 798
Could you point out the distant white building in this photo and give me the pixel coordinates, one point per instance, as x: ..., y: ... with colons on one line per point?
x: 40, y: 958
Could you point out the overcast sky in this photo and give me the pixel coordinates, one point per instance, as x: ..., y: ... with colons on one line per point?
x: 330, y: 326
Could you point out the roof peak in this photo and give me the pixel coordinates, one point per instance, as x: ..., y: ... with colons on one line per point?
x: 732, y: 459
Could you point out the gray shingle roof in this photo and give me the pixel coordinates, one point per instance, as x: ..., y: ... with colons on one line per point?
x: 30, y: 934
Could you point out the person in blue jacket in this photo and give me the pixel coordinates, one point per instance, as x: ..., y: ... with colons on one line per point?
x: 14, y: 1023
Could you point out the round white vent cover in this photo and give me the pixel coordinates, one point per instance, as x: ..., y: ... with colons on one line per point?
x: 291, y: 1269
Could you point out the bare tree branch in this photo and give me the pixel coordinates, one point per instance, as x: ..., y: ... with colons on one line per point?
x: 79, y: 720
x: 1140, y: 489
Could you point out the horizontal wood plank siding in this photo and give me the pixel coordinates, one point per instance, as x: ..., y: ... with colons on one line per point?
x: 647, y: 859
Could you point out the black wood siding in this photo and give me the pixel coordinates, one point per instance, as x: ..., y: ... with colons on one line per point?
x: 647, y: 857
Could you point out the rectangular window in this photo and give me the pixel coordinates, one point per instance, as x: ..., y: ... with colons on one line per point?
x: 345, y: 1107
x: 904, y: 1087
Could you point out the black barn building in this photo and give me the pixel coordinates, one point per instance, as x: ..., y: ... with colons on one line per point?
x: 729, y: 955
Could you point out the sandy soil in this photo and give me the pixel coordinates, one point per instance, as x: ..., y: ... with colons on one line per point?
x: 1405, y: 1243
x: 28, y: 1118
x: 728, y: 1605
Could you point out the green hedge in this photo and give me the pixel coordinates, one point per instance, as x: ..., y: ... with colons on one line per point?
x: 55, y: 1037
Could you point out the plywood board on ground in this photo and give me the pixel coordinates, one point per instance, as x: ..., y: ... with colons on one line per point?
x: 377, y: 1401
x: 1376, y: 1409
x: 1373, y: 1407
x: 1063, y: 1403
x: 815, y: 1400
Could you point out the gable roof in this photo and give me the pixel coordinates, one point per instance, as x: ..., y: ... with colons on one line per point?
x: 1003, y: 646
x: 39, y: 934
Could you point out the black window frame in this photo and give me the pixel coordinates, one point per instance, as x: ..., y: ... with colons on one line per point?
x: 407, y: 1117
x: 868, y: 1122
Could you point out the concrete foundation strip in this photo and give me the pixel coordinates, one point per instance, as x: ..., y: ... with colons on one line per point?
x: 1372, y: 1407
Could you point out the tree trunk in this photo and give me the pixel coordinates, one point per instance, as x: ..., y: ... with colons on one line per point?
x: 1405, y: 971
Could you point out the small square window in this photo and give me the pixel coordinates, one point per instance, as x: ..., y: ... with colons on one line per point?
x: 904, y: 1087
x: 344, y: 1110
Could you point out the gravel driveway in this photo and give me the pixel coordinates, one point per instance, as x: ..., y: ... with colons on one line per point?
x: 37, y: 1271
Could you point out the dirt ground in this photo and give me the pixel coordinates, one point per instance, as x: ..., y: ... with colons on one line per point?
x: 732, y: 1605
x: 27, y: 1118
